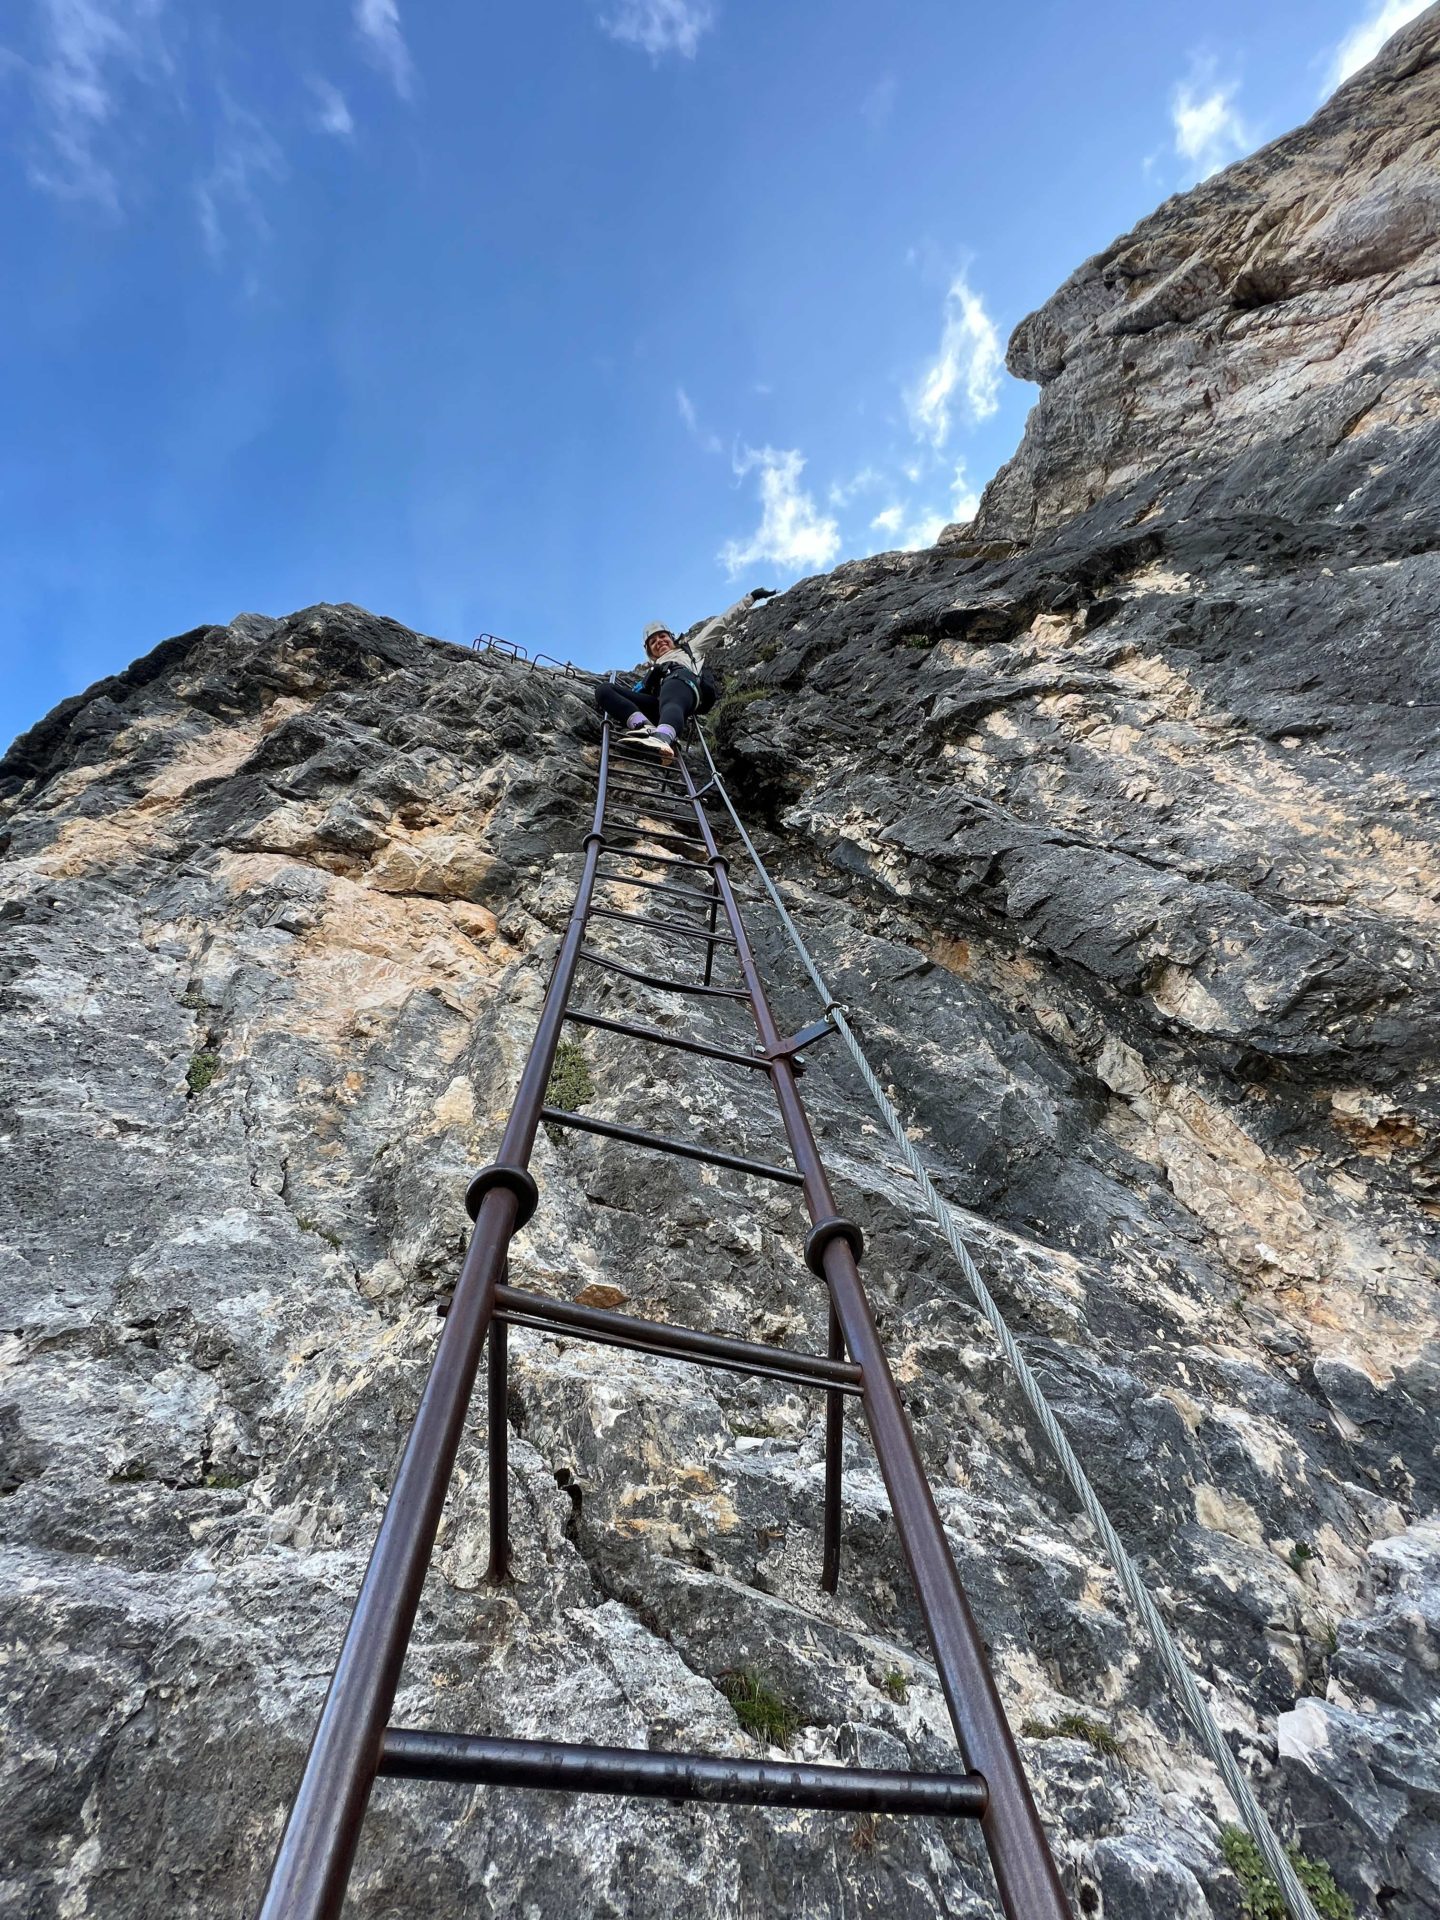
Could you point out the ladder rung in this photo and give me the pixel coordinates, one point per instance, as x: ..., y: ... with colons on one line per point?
x: 630, y: 764
x: 627, y: 783
x: 643, y: 812
x: 661, y: 886
x: 643, y: 802
x: 667, y: 788
x: 669, y: 986
x: 655, y: 833
x: 676, y: 1343
x: 653, y: 859
x: 662, y: 1143
x: 663, y: 1039
x: 472, y: 1760
x: 630, y: 742
x: 666, y: 926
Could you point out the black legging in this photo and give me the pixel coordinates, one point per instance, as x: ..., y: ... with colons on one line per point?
x: 673, y: 706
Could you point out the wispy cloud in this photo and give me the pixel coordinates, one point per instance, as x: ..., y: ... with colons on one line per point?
x: 793, y: 533
x: 131, y: 97
x: 922, y: 531
x: 1365, y: 39
x: 710, y: 442
x: 378, y: 24
x: 965, y: 372
x: 246, y: 156
x: 1209, y: 132
x: 88, y: 50
x: 332, y: 111
x: 879, y: 103
x: 964, y: 500
x: 841, y: 492
x: 660, y: 26
x: 907, y: 530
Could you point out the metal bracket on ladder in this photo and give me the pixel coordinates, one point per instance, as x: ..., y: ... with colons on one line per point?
x: 790, y: 1049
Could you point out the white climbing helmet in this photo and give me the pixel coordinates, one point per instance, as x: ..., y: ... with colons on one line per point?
x: 652, y: 627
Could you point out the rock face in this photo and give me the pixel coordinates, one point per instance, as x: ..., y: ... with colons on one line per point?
x: 1112, y: 822
x: 1262, y: 346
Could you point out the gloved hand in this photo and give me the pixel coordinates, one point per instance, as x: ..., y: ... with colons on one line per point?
x: 763, y: 593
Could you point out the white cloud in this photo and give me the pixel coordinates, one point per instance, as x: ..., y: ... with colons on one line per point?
x: 245, y: 156
x: 332, y: 113
x: 964, y: 501
x: 841, y: 492
x: 924, y: 532
x: 1209, y: 132
x: 1364, y: 40
x: 792, y: 532
x: 966, y: 369
x: 710, y: 442
x: 378, y: 24
x: 909, y: 530
x: 879, y: 103
x: 88, y: 49
x: 660, y: 26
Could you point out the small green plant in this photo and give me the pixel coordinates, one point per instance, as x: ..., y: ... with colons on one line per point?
x: 133, y: 1470
x: 766, y: 652
x: 917, y: 640
x: 896, y: 1685
x: 224, y: 1481
x: 570, y: 1081
x: 201, y: 1071
x: 1260, y: 1897
x: 758, y: 1708
x: 1075, y: 1726
x: 307, y: 1225
x: 739, y: 697
x: 726, y: 713
x: 1299, y: 1554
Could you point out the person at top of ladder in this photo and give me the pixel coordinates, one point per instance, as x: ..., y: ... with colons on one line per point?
x: 673, y: 686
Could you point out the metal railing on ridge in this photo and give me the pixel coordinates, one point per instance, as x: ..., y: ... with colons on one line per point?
x: 354, y: 1744
x: 512, y: 650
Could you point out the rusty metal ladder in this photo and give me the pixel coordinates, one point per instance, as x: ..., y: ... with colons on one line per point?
x: 354, y: 1743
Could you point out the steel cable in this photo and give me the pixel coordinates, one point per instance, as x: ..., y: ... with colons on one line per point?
x: 1171, y: 1659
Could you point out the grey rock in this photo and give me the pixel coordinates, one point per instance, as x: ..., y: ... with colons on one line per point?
x: 1111, y: 820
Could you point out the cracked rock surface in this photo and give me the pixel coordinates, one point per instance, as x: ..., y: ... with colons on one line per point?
x: 1111, y: 821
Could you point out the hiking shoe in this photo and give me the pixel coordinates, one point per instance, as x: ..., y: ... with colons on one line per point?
x: 661, y: 739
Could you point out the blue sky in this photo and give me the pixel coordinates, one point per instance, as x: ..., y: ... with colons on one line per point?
x: 549, y: 320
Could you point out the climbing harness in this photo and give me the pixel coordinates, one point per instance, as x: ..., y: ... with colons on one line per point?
x: 1171, y: 1659
x: 354, y: 1742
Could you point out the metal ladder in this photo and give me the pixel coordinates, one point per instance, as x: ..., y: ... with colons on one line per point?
x: 354, y: 1742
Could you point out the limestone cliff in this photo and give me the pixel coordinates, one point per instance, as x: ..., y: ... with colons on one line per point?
x: 1112, y: 821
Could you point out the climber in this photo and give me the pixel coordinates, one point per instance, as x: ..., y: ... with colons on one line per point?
x: 658, y: 707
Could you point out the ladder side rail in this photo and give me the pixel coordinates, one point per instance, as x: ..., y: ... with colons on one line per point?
x: 317, y: 1849
x: 1025, y: 1873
